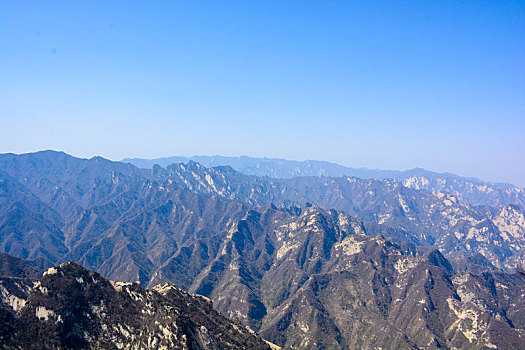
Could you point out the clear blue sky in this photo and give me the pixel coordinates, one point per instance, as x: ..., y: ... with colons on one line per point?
x: 380, y: 84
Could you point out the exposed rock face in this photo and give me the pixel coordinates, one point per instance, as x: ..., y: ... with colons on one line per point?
x: 389, y: 266
x: 319, y: 282
x: 471, y: 191
x: 71, y: 307
x: 439, y: 220
x: 84, y: 210
x: 468, y: 190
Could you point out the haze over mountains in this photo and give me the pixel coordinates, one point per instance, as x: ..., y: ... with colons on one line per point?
x: 414, y: 260
x: 471, y: 190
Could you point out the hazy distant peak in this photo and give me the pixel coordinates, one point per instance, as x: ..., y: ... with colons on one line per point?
x: 469, y: 190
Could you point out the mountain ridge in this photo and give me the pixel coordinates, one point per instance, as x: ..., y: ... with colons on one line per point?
x: 293, y: 259
x: 71, y: 307
x: 293, y: 168
x: 471, y: 190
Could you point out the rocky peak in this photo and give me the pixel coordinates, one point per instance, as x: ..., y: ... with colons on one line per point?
x: 510, y: 221
x: 72, y: 307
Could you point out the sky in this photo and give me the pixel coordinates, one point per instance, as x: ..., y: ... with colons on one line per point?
x: 377, y: 84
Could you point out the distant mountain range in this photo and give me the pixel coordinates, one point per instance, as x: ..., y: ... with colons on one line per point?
x: 271, y: 167
x: 470, y: 190
x: 307, y: 262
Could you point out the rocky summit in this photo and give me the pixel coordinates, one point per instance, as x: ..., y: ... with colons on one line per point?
x: 74, y: 308
x: 417, y: 261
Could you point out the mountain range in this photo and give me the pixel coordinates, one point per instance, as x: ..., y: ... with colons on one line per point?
x: 470, y: 190
x: 419, y: 261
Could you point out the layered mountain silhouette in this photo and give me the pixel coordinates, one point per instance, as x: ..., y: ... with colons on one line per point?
x: 469, y: 190
x: 308, y: 262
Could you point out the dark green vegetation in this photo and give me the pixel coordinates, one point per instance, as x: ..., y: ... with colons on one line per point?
x: 308, y: 262
x: 72, y: 308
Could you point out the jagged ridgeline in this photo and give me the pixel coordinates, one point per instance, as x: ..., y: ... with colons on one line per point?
x: 469, y: 190
x: 307, y: 262
x: 74, y: 308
